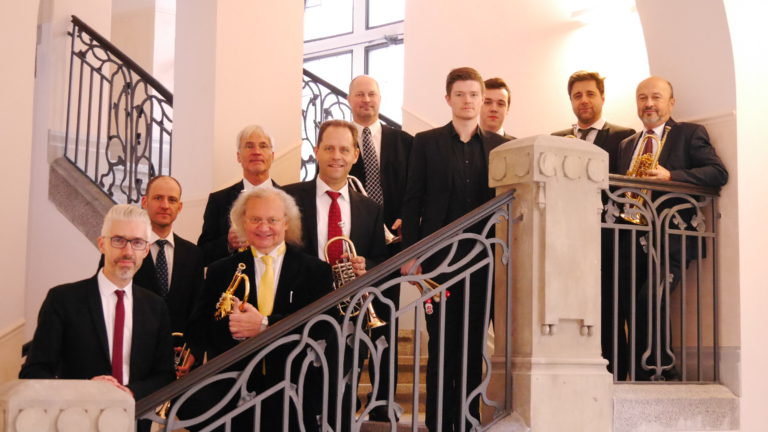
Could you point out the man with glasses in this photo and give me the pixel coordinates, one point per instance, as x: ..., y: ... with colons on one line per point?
x: 255, y: 154
x: 106, y: 328
x: 282, y: 281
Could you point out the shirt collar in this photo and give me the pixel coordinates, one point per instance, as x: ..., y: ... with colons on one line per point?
x: 153, y: 237
x: 455, y: 134
x: 375, y: 128
x: 599, y: 125
x: 278, y: 251
x: 107, y: 288
x: 322, y: 187
x: 248, y: 185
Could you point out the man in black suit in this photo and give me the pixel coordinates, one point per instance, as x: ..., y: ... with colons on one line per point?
x: 283, y: 280
x: 174, y: 267
x: 382, y: 169
x: 495, y: 107
x: 684, y: 154
x: 586, y: 90
x: 447, y: 178
x: 107, y: 328
x: 255, y: 154
x: 360, y: 217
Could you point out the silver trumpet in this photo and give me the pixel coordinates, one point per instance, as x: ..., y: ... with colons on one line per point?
x: 344, y: 273
x: 357, y: 186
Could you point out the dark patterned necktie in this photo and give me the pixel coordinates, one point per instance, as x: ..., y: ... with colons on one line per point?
x: 117, y: 338
x: 372, y: 175
x: 584, y: 133
x: 161, y: 266
x: 648, y: 145
x: 334, y: 228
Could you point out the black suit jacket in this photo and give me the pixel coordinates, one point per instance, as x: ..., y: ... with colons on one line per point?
x: 393, y: 163
x: 608, y: 139
x: 431, y: 182
x: 687, y: 155
x: 186, y: 281
x: 303, y: 279
x: 213, y: 238
x: 70, y: 341
x: 366, y: 232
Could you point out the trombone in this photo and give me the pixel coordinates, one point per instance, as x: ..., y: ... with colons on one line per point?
x: 344, y: 273
x: 224, y: 305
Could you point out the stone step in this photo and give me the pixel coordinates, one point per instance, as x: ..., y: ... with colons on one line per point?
x: 679, y: 407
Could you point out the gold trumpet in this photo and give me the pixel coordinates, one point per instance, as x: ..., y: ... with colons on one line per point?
x: 357, y: 186
x: 640, y: 167
x: 344, y: 273
x: 179, y: 359
x: 224, y: 305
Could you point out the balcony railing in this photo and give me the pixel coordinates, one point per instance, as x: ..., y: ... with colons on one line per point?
x: 119, y: 118
x: 308, y: 356
x: 659, y: 276
x: 321, y: 101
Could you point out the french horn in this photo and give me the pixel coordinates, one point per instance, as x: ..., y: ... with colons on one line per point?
x: 357, y: 186
x: 639, y: 168
x: 343, y: 273
x: 224, y: 305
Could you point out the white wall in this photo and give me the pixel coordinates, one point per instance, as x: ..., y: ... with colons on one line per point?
x: 749, y: 34
x: 533, y: 45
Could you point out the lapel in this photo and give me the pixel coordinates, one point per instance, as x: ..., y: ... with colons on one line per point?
x: 356, y: 213
x: 602, y: 134
x: 452, y: 164
x: 140, y: 318
x: 285, y: 285
x: 97, y: 316
x: 179, y: 255
x: 386, y: 150
x: 309, y: 207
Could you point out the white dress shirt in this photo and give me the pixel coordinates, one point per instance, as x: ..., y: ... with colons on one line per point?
x: 108, y: 303
x: 277, y: 264
x: 248, y: 185
x: 596, y: 127
x: 322, y: 204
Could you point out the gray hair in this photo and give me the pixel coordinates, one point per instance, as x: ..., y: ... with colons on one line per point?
x: 126, y: 212
x: 292, y: 213
x: 248, y: 131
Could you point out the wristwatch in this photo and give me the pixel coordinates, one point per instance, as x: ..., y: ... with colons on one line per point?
x: 264, y: 323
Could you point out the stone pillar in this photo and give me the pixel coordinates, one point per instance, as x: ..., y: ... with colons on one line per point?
x: 555, y: 338
x: 64, y: 406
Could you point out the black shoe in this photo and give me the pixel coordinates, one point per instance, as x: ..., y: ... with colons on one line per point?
x: 380, y: 414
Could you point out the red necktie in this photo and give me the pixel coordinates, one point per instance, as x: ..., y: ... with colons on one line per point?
x: 648, y: 145
x: 117, y: 338
x: 334, y: 228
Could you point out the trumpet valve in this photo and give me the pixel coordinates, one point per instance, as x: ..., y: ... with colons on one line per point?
x: 224, y: 306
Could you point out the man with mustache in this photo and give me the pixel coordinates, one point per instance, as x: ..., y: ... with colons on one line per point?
x: 448, y: 178
x: 106, y: 327
x: 684, y: 154
x: 255, y: 154
x: 495, y: 107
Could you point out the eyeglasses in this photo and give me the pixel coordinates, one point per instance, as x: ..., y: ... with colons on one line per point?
x: 272, y: 221
x: 120, y: 242
x: 261, y: 146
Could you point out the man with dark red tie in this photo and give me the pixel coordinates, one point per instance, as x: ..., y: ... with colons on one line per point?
x: 105, y: 327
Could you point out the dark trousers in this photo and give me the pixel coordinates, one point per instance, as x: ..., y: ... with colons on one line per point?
x: 453, y: 365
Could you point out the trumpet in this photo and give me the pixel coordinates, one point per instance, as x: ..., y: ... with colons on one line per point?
x: 224, y: 305
x: 344, y: 273
x: 180, y: 357
x: 640, y: 167
x: 357, y: 186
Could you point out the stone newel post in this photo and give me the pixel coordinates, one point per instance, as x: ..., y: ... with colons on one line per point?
x: 560, y: 381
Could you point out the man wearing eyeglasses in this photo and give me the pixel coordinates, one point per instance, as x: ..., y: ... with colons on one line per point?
x: 255, y: 154
x: 106, y: 328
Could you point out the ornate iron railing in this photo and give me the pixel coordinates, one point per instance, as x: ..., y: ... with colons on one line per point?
x: 306, y: 355
x: 119, y: 118
x: 659, y: 276
x: 321, y: 101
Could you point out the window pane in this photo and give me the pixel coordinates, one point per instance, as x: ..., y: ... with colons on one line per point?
x: 385, y: 64
x: 323, y: 18
x: 336, y: 69
x: 385, y: 11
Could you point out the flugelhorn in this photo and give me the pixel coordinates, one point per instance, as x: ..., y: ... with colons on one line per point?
x: 224, y: 305
x: 357, y: 186
x: 343, y: 273
x: 640, y: 167
x: 180, y: 357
